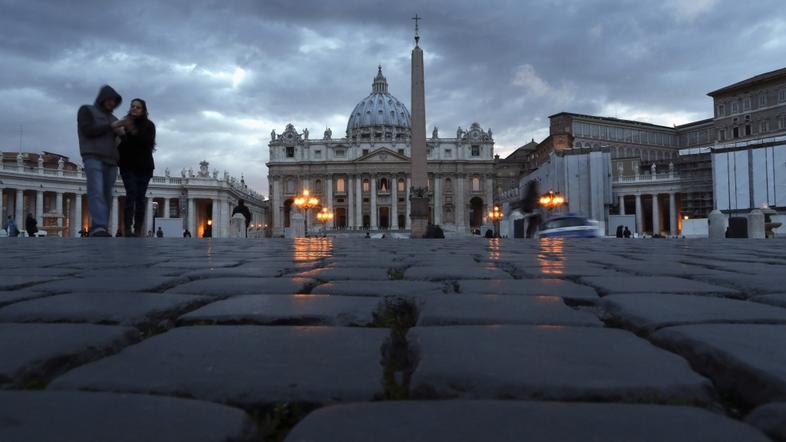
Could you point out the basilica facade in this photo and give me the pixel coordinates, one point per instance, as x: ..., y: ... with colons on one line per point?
x: 364, y: 177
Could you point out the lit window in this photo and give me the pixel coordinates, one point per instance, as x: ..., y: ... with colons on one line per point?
x: 402, y: 185
x: 340, y: 185
x: 365, y: 185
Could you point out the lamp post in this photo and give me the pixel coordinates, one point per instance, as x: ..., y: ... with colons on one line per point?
x: 496, y: 215
x: 305, y: 202
x: 551, y: 200
x: 324, y: 216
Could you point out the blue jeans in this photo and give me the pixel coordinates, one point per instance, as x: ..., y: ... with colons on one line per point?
x: 100, y: 181
x: 136, y: 188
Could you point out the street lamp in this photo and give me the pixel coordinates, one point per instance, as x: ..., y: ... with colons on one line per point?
x: 551, y: 200
x: 324, y: 216
x: 496, y: 216
x: 305, y: 202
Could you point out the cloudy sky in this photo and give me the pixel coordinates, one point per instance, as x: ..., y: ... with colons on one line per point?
x: 218, y: 76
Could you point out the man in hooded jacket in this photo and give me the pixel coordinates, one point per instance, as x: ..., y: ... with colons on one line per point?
x: 98, y: 129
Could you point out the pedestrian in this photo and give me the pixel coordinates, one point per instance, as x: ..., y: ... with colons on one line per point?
x: 619, y: 231
x: 243, y: 210
x: 489, y: 234
x: 119, y: 233
x: 31, y: 225
x: 98, y: 130
x: 136, y: 164
x: 82, y: 233
x: 149, y: 233
x: 10, y: 227
x: 186, y: 234
x: 626, y: 232
x: 159, y: 233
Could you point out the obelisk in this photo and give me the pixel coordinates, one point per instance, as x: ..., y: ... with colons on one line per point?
x: 418, y: 196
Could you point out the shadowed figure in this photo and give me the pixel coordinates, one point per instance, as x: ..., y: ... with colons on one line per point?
x: 529, y: 204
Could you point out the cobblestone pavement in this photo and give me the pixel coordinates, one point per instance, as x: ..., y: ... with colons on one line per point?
x: 392, y: 340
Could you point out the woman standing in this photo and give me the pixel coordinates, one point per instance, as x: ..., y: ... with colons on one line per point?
x: 136, y: 164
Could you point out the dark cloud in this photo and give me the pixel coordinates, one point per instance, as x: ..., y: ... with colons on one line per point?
x: 220, y: 75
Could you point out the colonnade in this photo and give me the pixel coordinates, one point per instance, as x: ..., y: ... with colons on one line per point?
x: 673, y: 217
x: 449, y: 192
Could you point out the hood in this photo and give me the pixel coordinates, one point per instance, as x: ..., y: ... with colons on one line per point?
x: 106, y: 93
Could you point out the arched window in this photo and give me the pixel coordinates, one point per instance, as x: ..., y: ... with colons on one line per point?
x: 365, y: 185
x: 402, y: 185
x: 341, y: 185
x: 291, y: 187
x: 448, y: 185
x: 383, y: 185
x: 476, y: 184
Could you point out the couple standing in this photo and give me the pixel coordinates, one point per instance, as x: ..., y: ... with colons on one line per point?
x: 106, y: 142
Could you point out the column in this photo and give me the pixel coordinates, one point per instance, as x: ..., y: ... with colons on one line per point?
x: 329, y: 225
x: 349, y: 187
x: 407, y: 220
x: 76, y: 221
x: 59, y: 209
x: 489, y: 194
x: 215, y: 216
x: 166, y: 207
x: 19, y: 203
x: 437, y: 199
x: 277, y: 206
x: 673, y: 218
x: 226, y: 214
x: 2, y: 214
x: 113, y: 216
x: 655, y: 214
x: 394, y: 203
x: 639, y: 219
x: 358, y: 201
x: 192, y: 217
x: 460, y: 217
x: 372, y: 186
x: 622, y: 204
x: 39, y: 208
x: 149, y: 215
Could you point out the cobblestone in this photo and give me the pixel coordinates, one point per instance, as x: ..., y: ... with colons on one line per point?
x: 340, y: 338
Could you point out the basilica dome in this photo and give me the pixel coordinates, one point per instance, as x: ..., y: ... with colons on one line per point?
x: 380, y: 115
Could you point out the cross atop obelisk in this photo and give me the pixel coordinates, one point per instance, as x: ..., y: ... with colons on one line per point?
x: 419, y: 199
x: 417, y: 34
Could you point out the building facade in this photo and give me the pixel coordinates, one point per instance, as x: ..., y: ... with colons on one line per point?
x: 53, y: 189
x: 732, y: 162
x: 363, y: 178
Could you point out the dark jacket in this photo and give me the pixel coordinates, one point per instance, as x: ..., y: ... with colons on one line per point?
x: 136, y: 150
x: 243, y: 210
x: 94, y: 126
x: 31, y: 226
